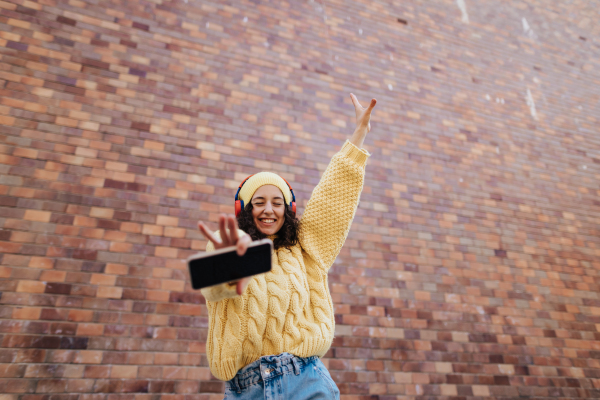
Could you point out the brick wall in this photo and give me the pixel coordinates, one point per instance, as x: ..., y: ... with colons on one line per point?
x: 472, y: 269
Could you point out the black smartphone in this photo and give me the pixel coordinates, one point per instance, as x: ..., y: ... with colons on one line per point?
x: 224, y: 265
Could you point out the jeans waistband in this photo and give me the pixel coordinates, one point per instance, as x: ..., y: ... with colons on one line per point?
x: 268, y: 367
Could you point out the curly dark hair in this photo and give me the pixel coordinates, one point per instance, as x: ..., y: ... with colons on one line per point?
x: 287, y: 236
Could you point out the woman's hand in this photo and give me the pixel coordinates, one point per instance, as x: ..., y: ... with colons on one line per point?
x: 363, y: 120
x: 228, y: 230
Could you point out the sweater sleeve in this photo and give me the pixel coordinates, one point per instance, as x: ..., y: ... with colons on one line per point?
x: 332, y: 205
x: 224, y: 290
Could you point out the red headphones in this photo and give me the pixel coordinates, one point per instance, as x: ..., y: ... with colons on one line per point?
x: 239, y: 204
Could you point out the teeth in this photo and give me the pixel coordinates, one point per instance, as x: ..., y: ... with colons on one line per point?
x: 268, y: 221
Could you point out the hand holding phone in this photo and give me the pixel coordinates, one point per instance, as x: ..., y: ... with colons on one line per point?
x: 225, y: 265
x: 228, y: 230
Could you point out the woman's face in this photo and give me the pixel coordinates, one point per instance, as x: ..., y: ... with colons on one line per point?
x: 268, y: 209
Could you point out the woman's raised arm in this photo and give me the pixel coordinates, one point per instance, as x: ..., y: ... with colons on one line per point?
x: 332, y: 205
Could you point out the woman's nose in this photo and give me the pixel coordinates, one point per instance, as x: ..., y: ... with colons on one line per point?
x: 268, y: 207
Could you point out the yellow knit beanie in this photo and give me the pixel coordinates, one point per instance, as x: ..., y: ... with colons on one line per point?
x: 264, y: 178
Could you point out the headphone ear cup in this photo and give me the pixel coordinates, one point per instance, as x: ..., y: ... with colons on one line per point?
x: 294, y: 207
x: 239, y: 206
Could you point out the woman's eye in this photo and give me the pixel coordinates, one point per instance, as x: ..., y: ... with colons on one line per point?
x: 258, y: 204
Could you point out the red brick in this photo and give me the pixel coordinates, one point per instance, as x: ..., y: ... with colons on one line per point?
x: 12, y: 371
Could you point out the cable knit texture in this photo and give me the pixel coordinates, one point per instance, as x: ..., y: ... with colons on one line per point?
x: 289, y: 309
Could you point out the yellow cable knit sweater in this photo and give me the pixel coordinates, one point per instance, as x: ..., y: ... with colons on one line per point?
x: 289, y: 309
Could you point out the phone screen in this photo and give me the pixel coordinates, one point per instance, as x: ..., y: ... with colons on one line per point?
x: 226, y: 267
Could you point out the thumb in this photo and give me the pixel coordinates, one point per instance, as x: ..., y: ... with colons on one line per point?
x: 241, y: 285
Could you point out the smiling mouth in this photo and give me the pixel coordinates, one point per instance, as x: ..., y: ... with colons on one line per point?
x: 267, y: 221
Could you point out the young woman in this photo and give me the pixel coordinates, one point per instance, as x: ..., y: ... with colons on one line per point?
x: 268, y: 332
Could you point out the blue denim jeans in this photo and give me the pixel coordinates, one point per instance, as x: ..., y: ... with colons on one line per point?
x: 282, y: 377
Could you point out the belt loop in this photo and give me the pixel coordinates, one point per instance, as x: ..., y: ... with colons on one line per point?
x: 296, y: 366
x: 236, y: 383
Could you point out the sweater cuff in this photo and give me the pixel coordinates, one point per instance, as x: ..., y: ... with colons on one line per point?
x: 220, y: 292
x: 357, y: 155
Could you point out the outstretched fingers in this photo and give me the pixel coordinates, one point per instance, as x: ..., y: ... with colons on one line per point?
x: 356, y: 102
x: 208, y: 234
x: 228, y: 230
x: 223, y: 229
x: 233, y: 229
